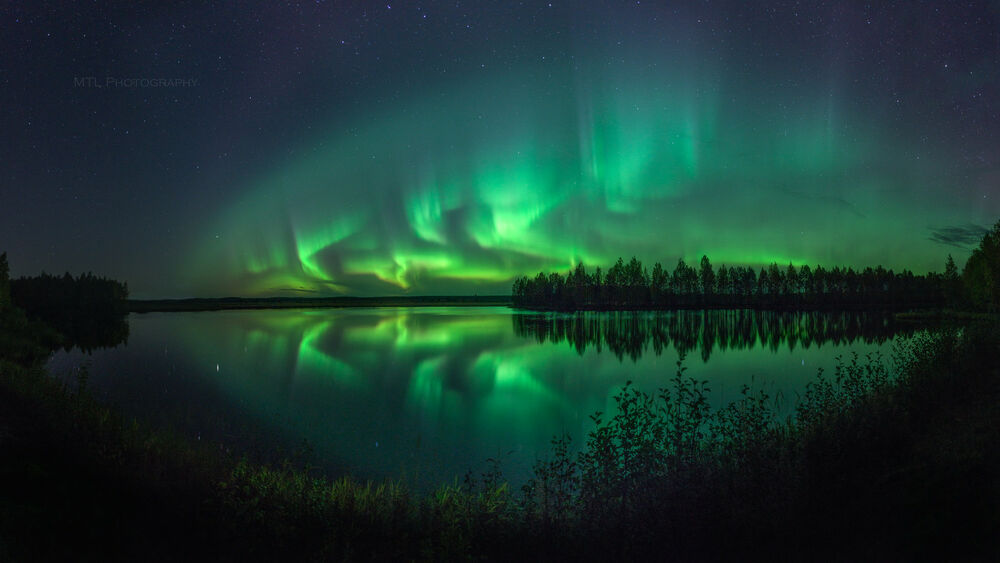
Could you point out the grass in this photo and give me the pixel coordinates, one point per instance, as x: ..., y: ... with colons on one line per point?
x: 886, y: 458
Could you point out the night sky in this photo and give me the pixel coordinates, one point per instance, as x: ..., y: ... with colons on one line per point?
x: 367, y: 148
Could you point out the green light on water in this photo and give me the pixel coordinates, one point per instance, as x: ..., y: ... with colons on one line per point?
x: 312, y: 361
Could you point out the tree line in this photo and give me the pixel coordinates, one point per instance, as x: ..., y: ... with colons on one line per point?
x: 980, y: 287
x: 4, y: 284
x: 632, y: 286
x: 629, y: 285
x: 87, y: 310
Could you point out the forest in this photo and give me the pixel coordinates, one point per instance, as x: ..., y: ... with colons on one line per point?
x: 87, y: 310
x: 631, y: 285
x: 875, y: 450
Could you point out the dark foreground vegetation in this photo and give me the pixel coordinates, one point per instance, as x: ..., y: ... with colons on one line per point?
x: 86, y: 311
x: 887, y: 458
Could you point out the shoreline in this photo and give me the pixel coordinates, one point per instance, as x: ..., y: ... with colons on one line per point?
x: 196, y: 304
x: 234, y: 303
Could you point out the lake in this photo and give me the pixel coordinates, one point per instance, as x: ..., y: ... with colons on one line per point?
x: 427, y: 393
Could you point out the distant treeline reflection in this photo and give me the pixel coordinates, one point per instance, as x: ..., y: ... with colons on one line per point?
x: 87, y: 311
x: 631, y: 334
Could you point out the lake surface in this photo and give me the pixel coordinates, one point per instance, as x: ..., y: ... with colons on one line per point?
x: 428, y: 393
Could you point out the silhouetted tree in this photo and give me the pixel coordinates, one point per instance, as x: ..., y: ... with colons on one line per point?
x: 615, y: 282
x: 763, y: 284
x: 4, y: 283
x: 578, y: 285
x: 952, y: 283
x: 819, y: 285
x: 637, y: 284
x: 981, y: 275
x: 87, y: 310
x: 776, y: 283
x: 852, y: 282
x: 659, y: 285
x: 791, y: 280
x: 806, y: 283
x: 722, y: 285
x: 707, y: 277
x: 748, y: 283
x: 598, y: 290
x: 630, y: 286
x: 679, y: 279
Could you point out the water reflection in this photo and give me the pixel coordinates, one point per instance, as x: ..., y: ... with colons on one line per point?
x: 427, y: 393
x: 91, y: 333
x: 629, y: 334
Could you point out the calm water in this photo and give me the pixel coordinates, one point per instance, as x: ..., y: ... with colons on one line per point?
x: 428, y: 393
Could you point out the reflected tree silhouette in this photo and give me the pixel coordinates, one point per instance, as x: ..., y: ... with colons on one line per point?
x: 634, y: 333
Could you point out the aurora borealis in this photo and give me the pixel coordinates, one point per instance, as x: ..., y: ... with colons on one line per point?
x: 444, y: 148
x: 428, y: 393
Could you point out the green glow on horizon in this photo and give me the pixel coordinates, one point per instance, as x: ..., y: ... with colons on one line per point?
x: 446, y: 195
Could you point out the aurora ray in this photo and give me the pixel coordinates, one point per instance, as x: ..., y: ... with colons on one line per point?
x: 447, y: 148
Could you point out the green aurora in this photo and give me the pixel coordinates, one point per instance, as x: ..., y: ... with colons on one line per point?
x: 389, y: 391
x: 435, y: 148
x: 459, y: 187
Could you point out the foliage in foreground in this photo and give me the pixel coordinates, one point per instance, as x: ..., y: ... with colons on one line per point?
x: 873, y: 456
x: 664, y: 473
x: 83, y: 481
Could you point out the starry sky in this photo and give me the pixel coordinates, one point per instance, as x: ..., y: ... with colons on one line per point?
x: 374, y: 148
